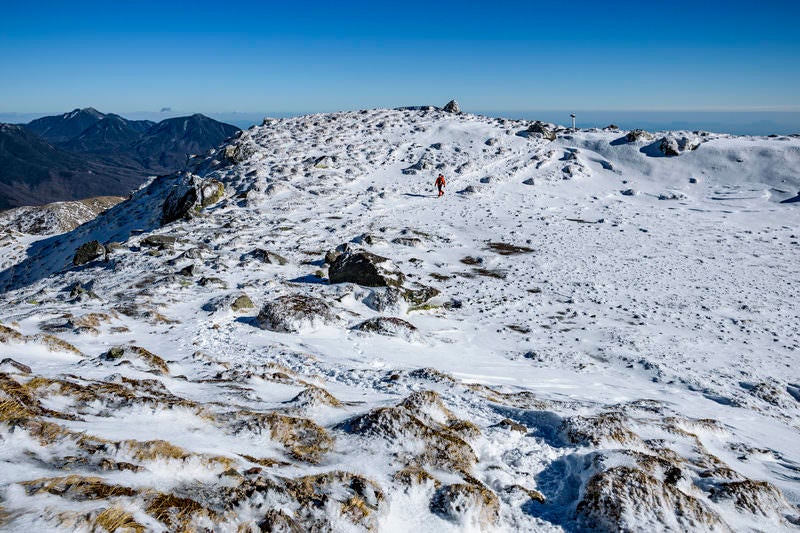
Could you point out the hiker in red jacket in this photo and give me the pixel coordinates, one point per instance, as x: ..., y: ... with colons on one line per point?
x: 440, y: 183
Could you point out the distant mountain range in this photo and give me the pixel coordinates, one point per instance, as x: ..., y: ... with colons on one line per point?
x: 87, y: 153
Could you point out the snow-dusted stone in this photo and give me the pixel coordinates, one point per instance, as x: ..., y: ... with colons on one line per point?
x: 88, y: 252
x: 491, y: 141
x: 542, y: 130
x: 672, y: 145
x: 638, y: 135
x: 387, y: 325
x: 240, y: 151
x: 365, y: 268
x: 386, y: 299
x: 469, y: 189
x: 672, y: 196
x: 452, y: 107
x: 488, y: 179
x: 628, y: 192
x: 529, y: 181
x: 295, y: 313
x: 408, y: 241
x: 264, y: 256
x: 229, y: 302
x: 211, y: 192
x: 189, y: 196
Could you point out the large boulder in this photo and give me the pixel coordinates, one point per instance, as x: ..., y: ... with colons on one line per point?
x: 295, y: 313
x: 452, y: 107
x: 365, y: 268
x: 542, y: 129
x: 88, y: 252
x: 189, y: 197
x: 673, y: 145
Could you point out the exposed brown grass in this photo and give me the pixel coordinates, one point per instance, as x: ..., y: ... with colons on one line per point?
x: 77, y: 488
x: 174, y: 511
x: 118, y: 520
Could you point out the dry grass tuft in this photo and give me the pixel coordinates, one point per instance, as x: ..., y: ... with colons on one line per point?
x: 79, y: 488
x: 302, y: 437
x: 414, y: 475
x: 118, y: 520
x: 176, y: 512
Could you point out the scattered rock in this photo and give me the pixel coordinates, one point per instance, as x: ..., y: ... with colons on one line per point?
x: 529, y: 181
x: 386, y: 299
x: 265, y: 256
x: 295, y: 313
x: 408, y: 241
x: 88, y: 252
x: 9, y: 364
x: 638, y: 135
x: 628, y: 192
x: 242, y: 303
x: 365, y: 268
x: 543, y: 130
x: 672, y: 196
x: 389, y: 326
x: 672, y: 146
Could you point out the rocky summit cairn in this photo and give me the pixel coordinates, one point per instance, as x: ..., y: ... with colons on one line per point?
x: 452, y: 107
x: 365, y: 268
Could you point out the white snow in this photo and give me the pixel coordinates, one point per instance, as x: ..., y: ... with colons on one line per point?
x: 690, y: 303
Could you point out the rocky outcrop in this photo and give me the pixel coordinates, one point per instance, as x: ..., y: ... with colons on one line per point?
x: 452, y: 107
x: 295, y: 313
x: 673, y: 145
x: 638, y: 135
x: 365, y: 268
x: 189, y: 197
x: 542, y: 130
x: 88, y: 252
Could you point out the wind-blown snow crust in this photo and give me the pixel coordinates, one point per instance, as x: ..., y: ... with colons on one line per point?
x: 590, y: 331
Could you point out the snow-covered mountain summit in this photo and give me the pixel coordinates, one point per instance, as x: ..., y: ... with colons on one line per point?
x: 591, y: 329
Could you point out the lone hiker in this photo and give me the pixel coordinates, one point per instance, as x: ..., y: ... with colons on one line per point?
x: 440, y: 183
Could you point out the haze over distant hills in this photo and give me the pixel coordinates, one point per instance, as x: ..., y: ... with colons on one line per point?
x: 87, y: 153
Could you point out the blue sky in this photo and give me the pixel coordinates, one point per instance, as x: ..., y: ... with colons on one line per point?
x: 323, y: 56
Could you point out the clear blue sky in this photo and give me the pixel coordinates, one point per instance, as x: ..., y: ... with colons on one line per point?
x: 320, y: 56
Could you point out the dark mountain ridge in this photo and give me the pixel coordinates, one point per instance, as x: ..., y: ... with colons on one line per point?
x: 87, y: 153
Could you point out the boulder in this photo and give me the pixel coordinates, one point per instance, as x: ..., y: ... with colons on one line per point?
x: 295, y: 313
x: 638, y: 135
x: 542, y: 129
x: 178, y: 204
x: 529, y: 181
x: 88, y: 252
x: 211, y: 192
x: 419, y: 294
x: 189, y: 197
x: 242, y: 303
x: 389, y: 326
x: 385, y: 299
x: 673, y: 145
x: 241, y: 151
x: 365, y: 268
x: 452, y: 107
